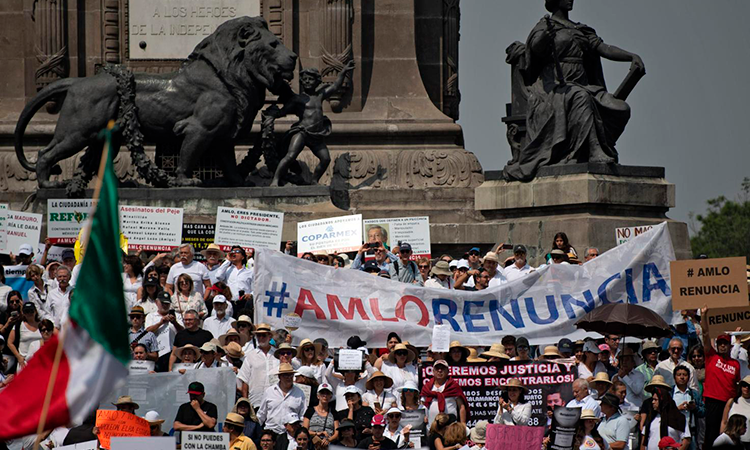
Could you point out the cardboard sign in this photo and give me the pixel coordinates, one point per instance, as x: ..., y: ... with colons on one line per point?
x: 724, y: 320
x: 65, y: 218
x: 248, y: 228
x: 506, y: 437
x: 623, y: 235
x: 202, y: 440
x: 414, y: 230
x: 151, y: 228
x: 199, y: 235
x: 3, y: 227
x: 335, y: 234
x: 719, y: 283
x: 23, y: 228
x: 142, y: 443
x: 119, y: 424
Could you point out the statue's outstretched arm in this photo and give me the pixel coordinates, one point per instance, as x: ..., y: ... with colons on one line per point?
x: 330, y: 90
x: 617, y: 54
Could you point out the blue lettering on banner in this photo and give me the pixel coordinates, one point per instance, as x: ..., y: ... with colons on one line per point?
x: 650, y: 269
x: 469, y: 318
x: 603, y: 289
x: 551, y: 306
x: 516, y: 320
x: 452, y: 310
x: 331, y: 235
x: 568, y: 301
x: 271, y: 304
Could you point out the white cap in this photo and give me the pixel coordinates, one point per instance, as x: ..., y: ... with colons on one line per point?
x: 220, y: 299
x: 26, y: 249
x: 453, y: 263
x: 292, y: 417
x: 463, y: 264
x: 352, y: 390
x: 306, y: 371
x: 208, y: 347
x: 152, y: 416
x: 409, y: 385
x: 324, y: 387
x: 393, y: 410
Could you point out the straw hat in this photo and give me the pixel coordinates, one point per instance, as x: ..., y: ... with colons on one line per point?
x: 745, y: 380
x: 497, y: 351
x: 213, y: 248
x: 648, y: 345
x: 551, y: 352
x: 282, y: 346
x: 307, y: 343
x: 125, y: 400
x: 375, y: 376
x: 491, y: 256
x: 627, y: 351
x: 232, y: 332
x: 657, y: 381
x: 473, y: 356
x: 178, y: 353
x: 153, y: 418
x: 244, y: 319
x: 514, y: 382
x: 588, y: 414
x: 602, y: 377
x: 392, y: 355
x: 457, y: 344
x: 412, y: 348
x: 285, y: 368
x: 478, y: 434
x: 235, y: 419
x: 261, y: 328
x: 234, y: 350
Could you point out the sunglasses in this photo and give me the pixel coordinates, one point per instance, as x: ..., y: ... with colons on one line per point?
x: 674, y: 349
x: 424, y: 266
x: 135, y: 316
x: 309, y: 349
x: 394, y: 416
x: 284, y: 353
x: 473, y: 254
x: 405, y: 252
x: 45, y: 330
x: 243, y: 325
x: 235, y: 252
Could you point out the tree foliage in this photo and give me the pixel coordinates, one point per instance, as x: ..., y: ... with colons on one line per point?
x: 725, y: 228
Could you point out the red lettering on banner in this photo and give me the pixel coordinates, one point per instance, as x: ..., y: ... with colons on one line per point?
x: 375, y: 307
x: 334, y: 304
x: 305, y: 302
x: 401, y: 305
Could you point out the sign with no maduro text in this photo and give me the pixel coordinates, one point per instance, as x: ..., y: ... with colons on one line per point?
x: 335, y: 234
x: 152, y: 228
x: 718, y: 283
x: 119, y: 424
x: 248, y: 228
x: 23, y: 228
x: 65, y: 218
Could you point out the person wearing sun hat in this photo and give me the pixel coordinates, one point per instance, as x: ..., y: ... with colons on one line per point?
x: 473, y: 356
x: 281, y: 399
x: 441, y: 276
x: 394, y: 430
x: 601, y: 384
x: 154, y: 423
x: 234, y: 424
x: 399, y: 366
x: 307, y: 355
x: 551, y: 352
x: 457, y: 353
x: 662, y: 417
x: 125, y: 403
x: 513, y: 408
x: 378, y: 395
x: 614, y: 427
x: 478, y: 435
x: 588, y: 437
x: 442, y: 394
x: 258, y: 365
x: 495, y: 353
x: 491, y: 263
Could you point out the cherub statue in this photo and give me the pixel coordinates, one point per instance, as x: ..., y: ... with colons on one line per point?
x: 313, y: 126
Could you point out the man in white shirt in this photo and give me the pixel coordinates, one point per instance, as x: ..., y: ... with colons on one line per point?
x: 666, y: 368
x: 582, y: 399
x: 281, y: 400
x: 633, y: 379
x: 491, y: 265
x: 259, y: 364
x: 236, y: 275
x: 196, y: 270
x: 519, y: 268
x: 221, y: 323
x: 58, y: 299
x: 213, y: 255
x: 164, y: 323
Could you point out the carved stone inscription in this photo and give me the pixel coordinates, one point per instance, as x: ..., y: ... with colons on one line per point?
x: 170, y: 29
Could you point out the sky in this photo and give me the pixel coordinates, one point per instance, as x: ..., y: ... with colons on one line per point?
x: 690, y: 113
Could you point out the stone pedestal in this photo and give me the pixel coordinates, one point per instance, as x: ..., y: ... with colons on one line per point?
x: 586, y: 201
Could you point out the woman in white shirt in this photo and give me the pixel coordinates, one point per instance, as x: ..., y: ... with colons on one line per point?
x: 587, y: 437
x: 307, y: 355
x: 513, y: 408
x: 25, y: 333
x: 186, y: 298
x: 398, y: 366
x: 378, y: 395
x: 736, y: 427
x: 393, y: 429
x: 739, y: 405
x: 663, y: 418
x: 132, y: 278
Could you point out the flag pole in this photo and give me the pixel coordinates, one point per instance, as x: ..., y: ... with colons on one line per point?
x: 61, y: 340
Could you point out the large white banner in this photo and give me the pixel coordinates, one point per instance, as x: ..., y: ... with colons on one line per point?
x: 248, y: 228
x: 543, y: 306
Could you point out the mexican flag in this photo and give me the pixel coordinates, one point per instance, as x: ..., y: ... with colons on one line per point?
x: 92, y: 349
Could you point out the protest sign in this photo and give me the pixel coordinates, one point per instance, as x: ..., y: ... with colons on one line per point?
x: 564, y: 427
x: 509, y: 437
x: 623, y: 235
x: 65, y: 218
x: 414, y: 230
x: 349, y: 360
x: 415, y: 419
x: 176, y: 367
x: 544, y: 305
x: 201, y: 440
x: 725, y: 320
x: 307, y: 390
x: 15, y: 277
x: 151, y: 228
x: 140, y: 367
x: 199, y: 235
x: 23, y: 228
x: 3, y: 227
x: 441, y: 338
x: 142, y: 443
x: 165, y: 392
x: 335, y: 234
x: 719, y: 282
x: 549, y: 382
x: 248, y: 228
x: 119, y: 424
x: 90, y: 445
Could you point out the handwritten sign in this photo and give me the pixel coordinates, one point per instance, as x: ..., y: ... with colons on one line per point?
x: 441, y: 338
x: 140, y: 367
x: 119, y: 424
x: 624, y: 234
x: 201, y: 440
x: 350, y: 359
x: 150, y: 227
x: 724, y: 320
x: 505, y: 437
x: 719, y: 283
x: 23, y: 228
x: 292, y: 321
x: 248, y: 228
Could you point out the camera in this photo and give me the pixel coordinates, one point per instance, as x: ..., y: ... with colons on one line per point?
x: 172, y: 312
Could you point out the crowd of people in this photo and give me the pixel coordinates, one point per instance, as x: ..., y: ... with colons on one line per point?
x: 686, y: 392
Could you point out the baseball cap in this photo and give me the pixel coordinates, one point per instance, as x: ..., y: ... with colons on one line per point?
x: 208, y: 347
x: 453, y: 264
x: 463, y: 264
x: 519, y: 249
x: 441, y: 362
x: 324, y: 387
x: 591, y: 346
x: 28, y: 305
x: 306, y: 371
x: 378, y: 420
x: 164, y: 297
x: 220, y: 299
x: 475, y: 249
x: 522, y: 342
x: 68, y: 253
x: 668, y: 442
x: 196, y: 388
x: 292, y: 417
x: 604, y: 347
x: 26, y: 249
x: 565, y: 346
x: 371, y: 267
x: 137, y: 309
x: 352, y: 390
x: 151, y: 281
x: 724, y: 337
x: 384, y: 274
x: 355, y: 342
x: 404, y: 247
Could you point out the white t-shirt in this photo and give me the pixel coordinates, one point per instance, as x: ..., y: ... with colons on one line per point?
x: 451, y: 405
x: 164, y: 334
x: 589, y: 444
x: 498, y: 279
x: 512, y: 272
x: 654, y: 437
x: 196, y: 270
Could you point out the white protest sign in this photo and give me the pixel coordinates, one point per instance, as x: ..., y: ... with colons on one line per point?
x: 140, y: 367
x: 90, y: 445
x: 151, y: 227
x: 307, y: 390
x: 3, y: 227
x: 413, y: 230
x: 53, y: 254
x: 248, y: 228
x: 141, y: 443
x: 292, y: 321
x: 623, y: 235
x: 176, y: 367
x: 350, y: 359
x: 202, y: 440
x: 23, y: 228
x: 65, y: 218
x: 335, y: 234
x: 441, y: 338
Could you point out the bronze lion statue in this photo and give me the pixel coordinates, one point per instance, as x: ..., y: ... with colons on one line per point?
x: 204, y: 106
